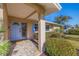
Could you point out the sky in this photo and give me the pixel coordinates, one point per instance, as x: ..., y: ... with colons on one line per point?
x: 68, y: 9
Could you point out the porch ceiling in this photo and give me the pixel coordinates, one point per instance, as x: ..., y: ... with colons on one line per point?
x: 19, y: 10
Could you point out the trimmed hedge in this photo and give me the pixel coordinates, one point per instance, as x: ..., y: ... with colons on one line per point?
x: 59, y: 47
x: 4, y: 48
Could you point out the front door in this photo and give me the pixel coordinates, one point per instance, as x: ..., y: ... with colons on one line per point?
x: 17, y: 31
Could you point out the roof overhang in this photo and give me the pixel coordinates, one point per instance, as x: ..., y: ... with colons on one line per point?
x: 46, y: 8
x: 50, y: 7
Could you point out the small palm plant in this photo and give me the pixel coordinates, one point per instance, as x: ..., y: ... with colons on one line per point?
x: 4, y: 48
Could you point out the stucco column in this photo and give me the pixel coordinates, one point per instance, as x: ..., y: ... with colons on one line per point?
x: 29, y: 31
x: 1, y: 24
x: 5, y: 21
x: 41, y: 34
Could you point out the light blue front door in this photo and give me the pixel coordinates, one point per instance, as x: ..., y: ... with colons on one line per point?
x: 16, y: 31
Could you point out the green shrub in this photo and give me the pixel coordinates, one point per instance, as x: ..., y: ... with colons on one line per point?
x: 4, y: 48
x: 54, y: 35
x: 48, y: 34
x: 73, y: 31
x: 59, y: 47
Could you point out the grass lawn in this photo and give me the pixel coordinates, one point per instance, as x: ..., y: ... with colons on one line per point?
x: 74, y: 43
x: 75, y: 36
x: 74, y: 40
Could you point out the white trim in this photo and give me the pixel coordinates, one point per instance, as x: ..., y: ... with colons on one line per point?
x: 58, y: 6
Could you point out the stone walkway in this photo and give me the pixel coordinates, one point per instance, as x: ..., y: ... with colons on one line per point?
x: 25, y: 48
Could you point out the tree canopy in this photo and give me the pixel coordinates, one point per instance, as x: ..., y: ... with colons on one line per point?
x: 62, y: 19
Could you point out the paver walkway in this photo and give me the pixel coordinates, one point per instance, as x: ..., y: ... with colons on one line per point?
x: 25, y: 48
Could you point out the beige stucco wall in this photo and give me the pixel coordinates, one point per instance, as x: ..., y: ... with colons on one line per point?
x: 29, y: 31
x: 5, y: 21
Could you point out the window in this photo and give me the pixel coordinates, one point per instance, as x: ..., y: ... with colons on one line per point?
x: 36, y: 27
x: 47, y: 27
